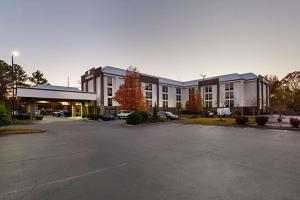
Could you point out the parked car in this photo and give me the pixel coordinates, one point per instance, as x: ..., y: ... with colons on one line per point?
x: 168, y: 115
x: 58, y: 113
x: 123, y: 114
x: 223, y: 112
x: 107, y: 117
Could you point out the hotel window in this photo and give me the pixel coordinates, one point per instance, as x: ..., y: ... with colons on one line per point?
x: 149, y: 103
x: 178, y: 97
x: 109, y: 81
x: 109, y: 91
x: 191, y: 91
x: 148, y: 94
x: 109, y: 101
x: 148, y: 87
x: 165, y: 104
x: 228, y: 86
x: 165, y: 96
x: 165, y: 89
x: 208, y: 96
x: 229, y: 95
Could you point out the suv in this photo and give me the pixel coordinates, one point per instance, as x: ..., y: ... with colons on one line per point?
x: 123, y: 114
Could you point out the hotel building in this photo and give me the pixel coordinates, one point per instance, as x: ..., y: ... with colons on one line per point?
x: 248, y: 93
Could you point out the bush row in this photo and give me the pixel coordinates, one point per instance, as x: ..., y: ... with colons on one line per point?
x: 144, y: 117
x: 262, y: 120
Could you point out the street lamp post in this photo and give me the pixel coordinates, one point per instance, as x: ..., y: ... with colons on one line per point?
x: 203, y: 77
x: 14, y: 53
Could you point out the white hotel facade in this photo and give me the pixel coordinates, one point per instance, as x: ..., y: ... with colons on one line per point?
x: 248, y: 93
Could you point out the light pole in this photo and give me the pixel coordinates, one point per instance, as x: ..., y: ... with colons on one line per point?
x: 203, y: 77
x: 14, y: 53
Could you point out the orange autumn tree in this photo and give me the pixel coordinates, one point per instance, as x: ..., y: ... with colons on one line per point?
x: 130, y: 95
x: 194, y: 104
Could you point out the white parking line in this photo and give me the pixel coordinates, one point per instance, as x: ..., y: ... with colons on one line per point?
x: 62, y: 180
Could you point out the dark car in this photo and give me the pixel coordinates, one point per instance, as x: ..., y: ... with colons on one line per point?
x: 107, y: 117
x: 168, y: 115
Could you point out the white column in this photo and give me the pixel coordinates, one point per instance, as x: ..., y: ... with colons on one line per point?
x: 242, y: 94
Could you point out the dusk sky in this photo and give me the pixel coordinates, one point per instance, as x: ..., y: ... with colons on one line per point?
x: 177, y: 39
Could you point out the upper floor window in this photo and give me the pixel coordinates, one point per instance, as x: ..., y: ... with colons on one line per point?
x: 165, y: 89
x: 178, y: 91
x: 109, y: 81
x: 229, y: 86
x: 148, y: 87
x: 191, y: 91
x: 148, y: 95
x: 109, y: 91
x: 208, y: 88
x: 208, y: 96
x: 165, y: 96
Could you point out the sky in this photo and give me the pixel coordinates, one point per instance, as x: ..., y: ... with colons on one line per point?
x: 177, y: 39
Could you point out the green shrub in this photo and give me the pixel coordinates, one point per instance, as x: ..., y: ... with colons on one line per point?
x: 24, y: 116
x: 145, y: 116
x: 93, y: 117
x: 134, y: 118
x: 261, y: 120
x: 295, y: 122
x: 5, y: 117
x: 39, y: 117
x: 241, y: 120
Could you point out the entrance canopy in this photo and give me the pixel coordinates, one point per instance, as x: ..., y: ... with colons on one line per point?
x: 55, y: 93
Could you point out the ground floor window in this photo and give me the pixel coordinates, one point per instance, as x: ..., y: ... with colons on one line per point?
x: 229, y: 99
x: 149, y: 103
x: 165, y: 104
x: 109, y: 101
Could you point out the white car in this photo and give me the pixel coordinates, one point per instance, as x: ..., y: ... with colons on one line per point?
x: 123, y: 114
x: 223, y: 112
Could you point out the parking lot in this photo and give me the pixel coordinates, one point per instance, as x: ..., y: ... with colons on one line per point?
x: 80, y: 159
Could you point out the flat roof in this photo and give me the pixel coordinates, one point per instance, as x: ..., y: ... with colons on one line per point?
x: 222, y: 78
x: 46, y: 93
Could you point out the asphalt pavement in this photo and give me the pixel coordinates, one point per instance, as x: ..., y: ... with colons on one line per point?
x: 107, y: 160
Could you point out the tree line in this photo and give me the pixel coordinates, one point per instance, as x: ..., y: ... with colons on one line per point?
x: 20, y: 78
x: 285, y: 93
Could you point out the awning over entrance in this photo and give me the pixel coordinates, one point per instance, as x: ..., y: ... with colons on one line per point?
x: 55, y: 93
x: 45, y: 94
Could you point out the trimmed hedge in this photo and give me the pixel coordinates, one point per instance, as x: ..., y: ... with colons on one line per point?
x: 134, y: 118
x: 295, y: 122
x: 24, y: 116
x: 5, y: 118
x: 145, y: 116
x: 261, y: 120
x: 39, y: 117
x: 241, y: 120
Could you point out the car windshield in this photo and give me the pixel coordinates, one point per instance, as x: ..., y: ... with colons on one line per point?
x: 169, y: 113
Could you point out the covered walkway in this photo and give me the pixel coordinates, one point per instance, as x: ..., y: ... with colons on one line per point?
x: 66, y: 96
